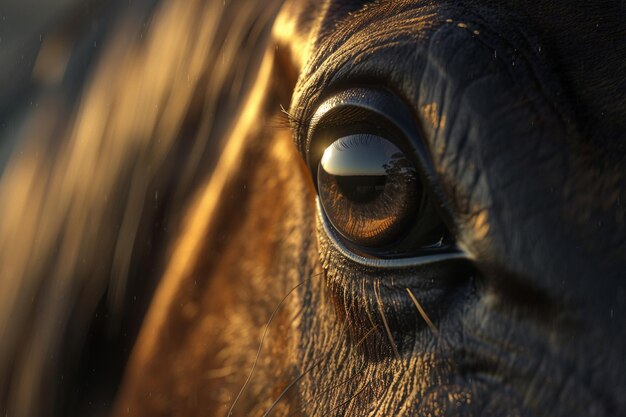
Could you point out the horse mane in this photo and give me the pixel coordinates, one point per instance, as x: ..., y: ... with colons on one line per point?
x: 127, y: 123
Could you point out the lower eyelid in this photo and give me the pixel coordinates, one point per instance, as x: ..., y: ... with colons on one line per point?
x: 455, y: 255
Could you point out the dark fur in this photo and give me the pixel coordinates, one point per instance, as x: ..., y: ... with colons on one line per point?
x: 523, y: 110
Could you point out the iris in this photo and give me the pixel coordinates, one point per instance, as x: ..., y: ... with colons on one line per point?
x: 369, y: 189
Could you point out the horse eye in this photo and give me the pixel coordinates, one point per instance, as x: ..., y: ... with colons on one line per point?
x: 368, y: 189
x: 374, y: 182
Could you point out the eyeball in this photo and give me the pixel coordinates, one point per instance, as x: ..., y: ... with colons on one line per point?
x: 369, y: 189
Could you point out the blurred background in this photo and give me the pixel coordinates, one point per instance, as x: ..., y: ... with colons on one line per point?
x: 23, y: 21
x: 24, y: 25
x: 112, y: 114
x: 47, y: 45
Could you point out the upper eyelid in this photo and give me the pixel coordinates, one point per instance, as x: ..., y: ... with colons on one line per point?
x: 377, y: 103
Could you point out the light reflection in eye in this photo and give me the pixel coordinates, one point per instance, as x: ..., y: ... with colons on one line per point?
x: 358, y: 155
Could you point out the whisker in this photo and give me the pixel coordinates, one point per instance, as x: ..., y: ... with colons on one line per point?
x: 423, y: 313
x: 326, y: 391
x: 366, y: 335
x: 345, y: 381
x: 258, y: 353
x: 382, y: 315
x: 302, y: 375
x: 356, y: 394
x: 292, y: 383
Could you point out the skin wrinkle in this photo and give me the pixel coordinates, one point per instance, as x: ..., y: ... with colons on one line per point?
x: 520, y: 161
x: 338, y: 385
x: 291, y: 385
x: 316, y: 405
x: 332, y: 52
x: 477, y: 212
x: 544, y: 366
x: 460, y: 150
x: 432, y: 115
x: 533, y: 66
x: 528, y: 396
x: 451, y: 117
x: 456, y: 153
x: 356, y: 373
x: 595, y: 85
x: 349, y: 400
x: 345, y: 54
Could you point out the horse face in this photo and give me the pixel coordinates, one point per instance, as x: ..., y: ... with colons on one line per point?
x: 521, y: 157
x: 511, y: 117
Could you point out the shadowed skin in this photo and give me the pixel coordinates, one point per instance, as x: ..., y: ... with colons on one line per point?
x: 522, y: 107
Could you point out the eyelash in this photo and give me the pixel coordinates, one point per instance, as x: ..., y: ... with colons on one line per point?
x: 352, y: 143
x: 292, y: 121
x: 299, y: 125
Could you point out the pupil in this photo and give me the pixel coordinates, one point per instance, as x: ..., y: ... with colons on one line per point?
x: 360, y: 164
x: 361, y: 189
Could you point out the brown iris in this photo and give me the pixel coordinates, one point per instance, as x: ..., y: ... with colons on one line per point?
x: 369, y: 190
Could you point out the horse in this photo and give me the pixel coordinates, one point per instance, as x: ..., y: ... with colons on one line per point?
x: 301, y: 208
